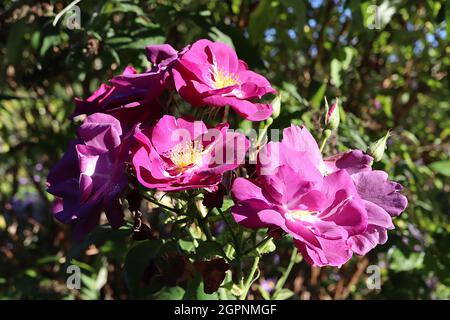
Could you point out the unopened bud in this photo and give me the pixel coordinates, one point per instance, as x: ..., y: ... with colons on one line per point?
x: 276, y: 107
x: 376, y: 149
x: 332, y: 117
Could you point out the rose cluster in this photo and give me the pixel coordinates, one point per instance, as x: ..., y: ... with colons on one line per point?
x: 331, y: 207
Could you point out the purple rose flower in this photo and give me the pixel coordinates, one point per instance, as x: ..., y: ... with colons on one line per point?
x: 91, y: 175
x: 382, y: 198
x: 122, y: 95
x: 131, y: 95
x: 319, y: 212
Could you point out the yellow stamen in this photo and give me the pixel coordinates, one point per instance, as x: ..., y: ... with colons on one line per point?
x: 184, y: 155
x: 224, y: 79
x: 300, y: 214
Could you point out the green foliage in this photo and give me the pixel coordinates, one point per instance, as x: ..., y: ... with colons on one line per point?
x: 283, y: 294
x: 136, y: 262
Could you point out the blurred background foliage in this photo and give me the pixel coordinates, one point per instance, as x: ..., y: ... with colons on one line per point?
x: 390, y: 73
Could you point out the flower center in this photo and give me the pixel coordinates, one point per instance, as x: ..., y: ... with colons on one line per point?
x: 223, y: 79
x: 184, y: 155
x: 300, y: 214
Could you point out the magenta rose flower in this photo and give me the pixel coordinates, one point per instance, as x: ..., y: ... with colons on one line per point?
x: 126, y: 96
x: 91, y: 176
x: 131, y: 95
x: 177, y: 154
x: 291, y: 193
x: 210, y: 73
x: 382, y: 198
x: 163, y: 57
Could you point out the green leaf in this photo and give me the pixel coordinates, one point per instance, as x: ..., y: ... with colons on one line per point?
x: 171, y: 293
x: 357, y: 16
x: 31, y: 273
x: 268, y: 247
x: 47, y: 259
x: 141, y: 43
x: 15, y: 41
x: 118, y: 40
x: 208, y: 249
x: 83, y: 266
x: 227, y: 204
x: 36, y: 40
x: 386, y: 103
x: 93, y: 279
x: 98, y: 236
x: 447, y: 19
x: 128, y: 7
x: 300, y: 13
x: 401, y: 262
x: 441, y: 167
x: 260, y: 20
x: 195, y: 290
x: 48, y: 42
x: 89, y: 291
x: 264, y: 293
x: 283, y: 294
x: 293, y: 92
x: 102, y: 277
x: 318, y: 96
x: 186, y: 245
x: 137, y: 261
x: 114, y: 55
x: 336, y: 68
x: 349, y: 54
x: 219, y: 36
